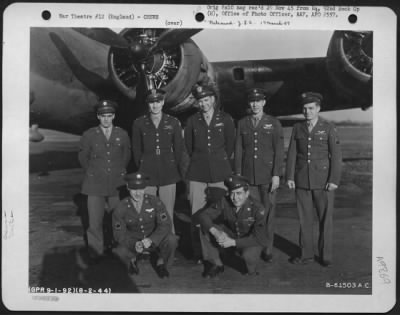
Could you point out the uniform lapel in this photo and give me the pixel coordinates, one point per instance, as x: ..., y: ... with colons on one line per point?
x: 214, y: 118
x: 262, y: 122
x: 304, y: 127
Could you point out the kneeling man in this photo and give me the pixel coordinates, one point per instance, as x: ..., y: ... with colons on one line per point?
x: 142, y: 224
x: 236, y: 221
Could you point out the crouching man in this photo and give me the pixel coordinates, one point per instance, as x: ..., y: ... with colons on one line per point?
x: 141, y: 224
x: 235, y: 222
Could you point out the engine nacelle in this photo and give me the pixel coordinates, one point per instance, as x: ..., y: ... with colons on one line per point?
x: 349, y: 65
x: 175, y: 70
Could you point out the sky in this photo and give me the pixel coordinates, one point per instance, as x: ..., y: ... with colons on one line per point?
x: 228, y: 45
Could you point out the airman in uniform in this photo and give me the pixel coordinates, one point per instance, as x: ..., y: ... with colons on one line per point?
x: 313, y: 169
x: 142, y: 224
x: 104, y: 154
x: 259, y: 157
x: 157, y: 145
x: 235, y: 222
x: 209, y: 138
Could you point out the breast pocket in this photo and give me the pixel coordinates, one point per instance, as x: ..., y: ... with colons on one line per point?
x: 246, y: 137
x: 321, y: 137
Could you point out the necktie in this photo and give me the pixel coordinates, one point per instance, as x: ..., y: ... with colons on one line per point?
x: 255, y: 121
x: 107, y: 133
x: 207, y: 118
x: 310, y: 126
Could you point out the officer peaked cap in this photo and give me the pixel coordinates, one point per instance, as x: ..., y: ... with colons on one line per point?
x: 236, y: 181
x: 106, y: 106
x: 311, y: 97
x: 200, y: 91
x: 155, y: 95
x: 136, y: 180
x: 255, y: 94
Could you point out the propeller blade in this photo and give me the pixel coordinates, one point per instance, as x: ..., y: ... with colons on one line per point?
x: 104, y: 36
x: 174, y: 37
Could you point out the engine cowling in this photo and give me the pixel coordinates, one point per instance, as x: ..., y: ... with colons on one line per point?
x: 175, y: 70
x: 349, y: 65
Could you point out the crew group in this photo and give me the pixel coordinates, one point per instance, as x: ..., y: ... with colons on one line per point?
x: 240, y: 222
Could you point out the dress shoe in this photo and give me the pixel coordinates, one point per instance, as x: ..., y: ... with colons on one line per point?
x: 326, y: 263
x: 301, y: 261
x: 133, y: 267
x: 213, y: 271
x: 266, y: 257
x: 162, y: 271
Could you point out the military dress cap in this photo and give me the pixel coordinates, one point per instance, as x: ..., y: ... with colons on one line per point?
x: 311, y: 97
x: 106, y: 106
x: 255, y: 94
x: 236, y: 181
x: 155, y: 95
x: 136, y: 180
x: 200, y: 91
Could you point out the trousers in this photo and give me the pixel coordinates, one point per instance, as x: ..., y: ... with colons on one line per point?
x: 250, y: 255
x: 323, y: 202
x: 96, y: 210
x: 198, y: 199
x: 165, y: 250
x: 268, y: 200
x: 167, y: 195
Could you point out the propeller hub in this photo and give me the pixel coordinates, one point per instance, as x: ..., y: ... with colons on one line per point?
x: 138, y: 50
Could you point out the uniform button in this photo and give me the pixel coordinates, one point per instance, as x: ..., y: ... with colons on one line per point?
x: 142, y: 226
x: 157, y: 140
x: 208, y: 137
x: 158, y: 147
x: 157, y: 134
x: 309, y: 138
x: 108, y: 153
x: 140, y: 219
x: 255, y: 149
x: 108, y: 169
x: 108, y: 161
x: 255, y: 156
x: 309, y: 153
x: 255, y: 133
x: 309, y: 146
x: 208, y: 130
x: 108, y: 144
x: 209, y: 144
x: 308, y: 161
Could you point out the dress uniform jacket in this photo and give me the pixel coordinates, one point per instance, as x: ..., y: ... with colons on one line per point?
x: 315, y: 158
x: 104, y: 161
x: 157, y: 151
x: 247, y: 226
x: 152, y: 222
x: 209, y: 147
x: 259, y: 150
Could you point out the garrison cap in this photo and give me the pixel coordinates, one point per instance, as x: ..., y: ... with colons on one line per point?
x: 255, y: 94
x: 311, y: 97
x: 155, y: 95
x: 136, y: 180
x: 236, y: 181
x: 200, y: 91
x: 106, y: 106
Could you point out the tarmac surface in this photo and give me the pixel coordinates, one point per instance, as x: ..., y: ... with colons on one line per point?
x: 57, y: 258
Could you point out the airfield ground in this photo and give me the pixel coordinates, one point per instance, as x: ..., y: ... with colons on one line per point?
x: 57, y: 259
